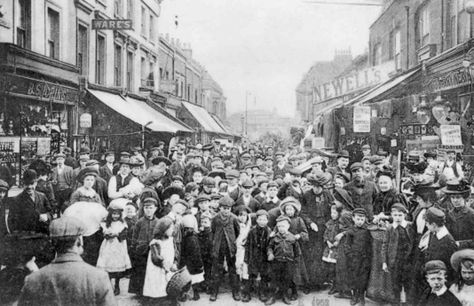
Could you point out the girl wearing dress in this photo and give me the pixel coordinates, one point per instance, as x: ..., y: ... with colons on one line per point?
x: 243, y: 215
x: 161, y: 260
x: 113, y: 254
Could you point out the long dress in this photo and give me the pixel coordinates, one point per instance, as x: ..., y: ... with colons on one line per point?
x: 113, y: 253
x: 156, y: 278
x: 240, y: 266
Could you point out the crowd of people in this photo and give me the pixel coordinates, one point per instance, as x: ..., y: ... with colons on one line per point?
x: 269, y: 224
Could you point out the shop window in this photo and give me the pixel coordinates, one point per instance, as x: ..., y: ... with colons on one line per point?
x: 52, y: 47
x: 23, y: 31
x: 129, y: 70
x: 424, y: 25
x: 82, y: 48
x: 100, y: 60
x: 118, y: 65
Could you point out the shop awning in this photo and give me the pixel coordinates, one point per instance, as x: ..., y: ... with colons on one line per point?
x: 139, y: 112
x: 222, y: 125
x: 204, y: 118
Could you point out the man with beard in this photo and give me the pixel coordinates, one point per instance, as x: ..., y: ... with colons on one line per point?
x: 361, y: 190
x: 68, y: 280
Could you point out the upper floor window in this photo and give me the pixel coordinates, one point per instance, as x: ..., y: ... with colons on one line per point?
x: 152, y: 28
x: 52, y: 47
x: 143, y: 21
x: 100, y: 60
x: 23, y: 30
x: 82, y: 48
x: 424, y: 25
x: 377, y: 54
x: 397, y: 50
x: 129, y: 70
x: 118, y: 65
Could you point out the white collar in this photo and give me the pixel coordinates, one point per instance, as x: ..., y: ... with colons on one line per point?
x: 441, y: 291
x: 443, y: 231
x: 403, y: 224
x: 274, y: 200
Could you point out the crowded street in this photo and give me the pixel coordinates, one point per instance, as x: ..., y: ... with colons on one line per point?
x: 237, y: 152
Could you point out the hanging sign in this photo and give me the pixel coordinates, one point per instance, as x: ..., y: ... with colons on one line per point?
x: 85, y: 121
x: 450, y: 135
x: 111, y: 24
x: 362, y: 119
x: 318, y: 143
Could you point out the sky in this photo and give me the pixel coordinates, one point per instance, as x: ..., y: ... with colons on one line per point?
x: 264, y: 47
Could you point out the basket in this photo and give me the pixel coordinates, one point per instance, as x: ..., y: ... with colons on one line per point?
x: 180, y: 282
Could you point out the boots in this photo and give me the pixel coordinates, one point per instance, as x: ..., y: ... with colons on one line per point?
x: 286, y: 299
x: 213, y: 295
x: 246, y: 297
x: 263, y: 291
x: 272, y: 299
x: 235, y: 288
x: 117, y: 286
x: 195, y: 293
x: 355, y: 297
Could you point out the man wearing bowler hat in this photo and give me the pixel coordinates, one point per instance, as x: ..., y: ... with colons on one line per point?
x: 68, y: 280
x: 342, y: 163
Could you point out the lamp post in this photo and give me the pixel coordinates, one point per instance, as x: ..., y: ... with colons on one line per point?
x: 143, y: 132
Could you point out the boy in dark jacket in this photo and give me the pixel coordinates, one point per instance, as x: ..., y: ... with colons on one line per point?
x: 225, y: 229
x: 283, y: 250
x: 256, y: 256
x: 397, y: 250
x: 205, y: 244
x: 438, y: 294
x: 358, y: 250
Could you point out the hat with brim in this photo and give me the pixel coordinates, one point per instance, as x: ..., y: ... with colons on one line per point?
x: 124, y: 161
x: 434, y: 266
x: 66, y: 226
x: 435, y: 215
x: 87, y: 171
x: 226, y: 201
x: 385, y: 173
x: 356, y: 166
x: 169, y: 191
x: 219, y: 173
x: 4, y: 185
x: 59, y: 155
x: 92, y: 162
x: 458, y: 257
x: 208, y: 147
x: 430, y: 155
x: 161, y: 159
x: 290, y: 201
x: 202, y: 198
x: 365, y: 147
x: 152, y: 176
x: 343, y: 196
x: 125, y: 154
x: 135, y: 162
x: 343, y: 153
x: 343, y: 176
x: 232, y: 174
x: 359, y: 211
x: 29, y: 177
x: 317, y: 179
x: 107, y: 153
x: 279, y: 153
x: 457, y: 187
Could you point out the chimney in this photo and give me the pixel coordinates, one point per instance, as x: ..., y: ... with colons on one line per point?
x: 188, y: 52
x: 343, y: 56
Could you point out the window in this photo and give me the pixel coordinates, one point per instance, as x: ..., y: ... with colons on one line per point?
x: 424, y: 26
x: 161, y: 73
x: 143, y: 72
x: 143, y: 21
x: 196, y: 96
x: 450, y: 25
x: 52, y: 48
x: 152, y: 28
x: 130, y: 9
x: 118, y: 7
x: 391, y: 44
x: 377, y: 57
x: 118, y: 65
x: 188, y: 94
x: 397, y: 50
x: 151, y: 74
x: 82, y: 49
x: 129, y: 70
x: 23, y: 31
x: 100, y: 60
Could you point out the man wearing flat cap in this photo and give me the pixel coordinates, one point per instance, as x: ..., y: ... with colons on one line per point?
x: 362, y: 191
x: 63, y: 180
x: 342, y: 163
x: 316, y: 211
x: 68, y: 280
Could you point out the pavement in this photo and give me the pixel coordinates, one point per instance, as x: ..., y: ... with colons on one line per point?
x: 313, y: 299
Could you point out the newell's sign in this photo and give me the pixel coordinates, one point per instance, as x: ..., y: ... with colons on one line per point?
x: 111, y: 24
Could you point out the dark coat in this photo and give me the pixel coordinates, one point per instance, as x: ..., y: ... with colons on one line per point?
x: 441, y: 249
x: 68, y: 280
x: 363, y: 196
x: 316, y: 208
x: 269, y: 205
x: 256, y: 250
x: 359, y: 253
x: 384, y: 200
x: 69, y: 176
x: 101, y: 187
x: 254, y: 205
x: 24, y: 213
x: 46, y: 187
x: 235, y: 194
x: 178, y: 168
x: 460, y: 224
x: 430, y: 299
x: 390, y: 245
x: 228, y: 229
x: 277, y: 171
x: 285, y: 248
x: 191, y: 252
x: 105, y: 173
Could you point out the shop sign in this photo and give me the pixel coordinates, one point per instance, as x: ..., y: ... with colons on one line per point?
x: 362, y: 119
x: 444, y: 148
x: 85, y: 121
x: 448, y: 80
x: 318, y: 143
x: 10, y: 144
x: 111, y: 24
x: 450, y: 135
x: 37, y: 89
x: 350, y: 83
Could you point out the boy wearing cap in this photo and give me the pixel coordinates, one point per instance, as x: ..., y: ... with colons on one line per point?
x: 205, y: 244
x: 397, y: 250
x: 246, y: 199
x: 359, y: 253
x: 256, y: 257
x: 283, y: 250
x: 225, y: 230
x: 142, y: 235
x: 438, y: 293
x: 233, y: 189
x: 271, y: 201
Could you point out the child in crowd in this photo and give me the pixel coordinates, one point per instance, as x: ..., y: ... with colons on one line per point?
x: 131, y: 218
x: 283, y: 251
x: 437, y: 294
x: 113, y: 254
x: 397, y: 250
x: 225, y: 230
x: 291, y: 208
x: 245, y: 223
x: 359, y: 251
x: 330, y: 251
x: 160, y: 262
x: 205, y: 244
x: 214, y: 203
x: 142, y: 235
x: 191, y: 253
x: 271, y: 200
x: 203, y: 203
x: 256, y: 257
x: 342, y: 275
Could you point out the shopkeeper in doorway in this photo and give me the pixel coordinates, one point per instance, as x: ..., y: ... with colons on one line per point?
x: 451, y: 168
